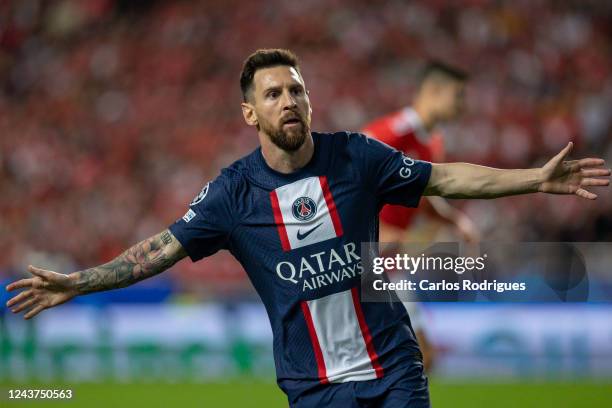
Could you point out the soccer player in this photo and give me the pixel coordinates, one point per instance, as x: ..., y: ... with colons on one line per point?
x: 294, y: 213
x: 439, y: 99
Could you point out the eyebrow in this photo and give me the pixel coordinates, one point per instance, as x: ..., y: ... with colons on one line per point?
x: 278, y: 88
x: 272, y: 88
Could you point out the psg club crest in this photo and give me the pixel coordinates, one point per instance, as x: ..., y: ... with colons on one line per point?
x: 201, y: 195
x: 304, y: 209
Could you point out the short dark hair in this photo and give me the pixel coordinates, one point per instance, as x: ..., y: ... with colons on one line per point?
x: 438, y: 69
x: 264, y: 58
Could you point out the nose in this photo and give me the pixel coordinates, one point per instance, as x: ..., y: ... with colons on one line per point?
x: 288, y: 100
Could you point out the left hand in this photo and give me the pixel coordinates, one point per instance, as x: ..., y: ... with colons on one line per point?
x: 570, y: 177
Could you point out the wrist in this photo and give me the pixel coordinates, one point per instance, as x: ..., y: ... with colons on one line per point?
x: 75, y: 277
x: 538, y: 180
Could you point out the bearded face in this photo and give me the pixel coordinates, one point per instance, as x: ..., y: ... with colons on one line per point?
x: 279, y: 107
x: 289, y: 133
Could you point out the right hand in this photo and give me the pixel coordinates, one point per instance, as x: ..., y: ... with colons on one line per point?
x: 44, y: 290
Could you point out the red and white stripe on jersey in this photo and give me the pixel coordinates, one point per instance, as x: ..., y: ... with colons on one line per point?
x: 341, y: 339
x: 295, y: 233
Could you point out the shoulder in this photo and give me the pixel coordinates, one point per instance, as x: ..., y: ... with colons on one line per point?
x: 345, y: 139
x: 359, y: 148
x: 361, y: 143
x: 222, y: 188
x: 343, y: 144
x: 233, y: 178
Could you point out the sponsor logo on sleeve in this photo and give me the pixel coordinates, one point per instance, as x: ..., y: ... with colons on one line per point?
x: 189, y: 215
x: 405, y: 171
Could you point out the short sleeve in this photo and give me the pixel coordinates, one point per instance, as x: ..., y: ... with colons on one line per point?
x: 206, y: 226
x: 395, y: 177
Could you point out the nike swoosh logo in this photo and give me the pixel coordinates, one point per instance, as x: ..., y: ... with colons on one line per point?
x: 301, y: 236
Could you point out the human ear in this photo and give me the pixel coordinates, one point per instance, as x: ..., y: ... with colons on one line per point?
x: 249, y: 114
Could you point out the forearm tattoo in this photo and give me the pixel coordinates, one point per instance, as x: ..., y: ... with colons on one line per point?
x: 143, y: 260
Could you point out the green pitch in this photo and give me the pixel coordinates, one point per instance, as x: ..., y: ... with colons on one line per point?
x: 265, y: 394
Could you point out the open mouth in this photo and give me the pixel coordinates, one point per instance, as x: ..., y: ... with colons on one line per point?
x: 292, y: 121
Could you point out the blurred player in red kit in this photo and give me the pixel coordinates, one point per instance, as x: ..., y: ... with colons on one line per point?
x: 411, y: 130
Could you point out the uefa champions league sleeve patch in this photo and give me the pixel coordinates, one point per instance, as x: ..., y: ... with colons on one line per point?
x: 201, y: 195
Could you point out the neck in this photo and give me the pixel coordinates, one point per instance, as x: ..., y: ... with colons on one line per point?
x: 283, y: 161
x: 421, y: 107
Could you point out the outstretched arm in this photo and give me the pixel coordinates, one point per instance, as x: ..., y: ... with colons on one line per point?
x: 463, y: 180
x: 48, y: 289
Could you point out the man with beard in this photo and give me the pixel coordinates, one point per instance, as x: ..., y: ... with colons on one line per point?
x: 294, y: 213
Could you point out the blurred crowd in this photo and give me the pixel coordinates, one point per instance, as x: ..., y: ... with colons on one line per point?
x: 114, y: 114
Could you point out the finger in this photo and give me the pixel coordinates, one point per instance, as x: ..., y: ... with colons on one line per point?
x: 581, y: 192
x: 23, y: 295
x: 594, y: 182
x: 565, y: 152
x: 43, y: 273
x: 595, y: 172
x: 36, y: 310
x: 21, y: 283
x: 591, y: 162
x: 24, y: 305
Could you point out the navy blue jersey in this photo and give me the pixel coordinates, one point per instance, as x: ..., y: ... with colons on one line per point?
x: 298, y: 236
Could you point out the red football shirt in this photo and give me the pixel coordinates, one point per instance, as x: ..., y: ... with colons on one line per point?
x: 404, y: 131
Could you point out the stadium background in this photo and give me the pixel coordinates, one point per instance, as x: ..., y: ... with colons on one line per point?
x: 113, y: 114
